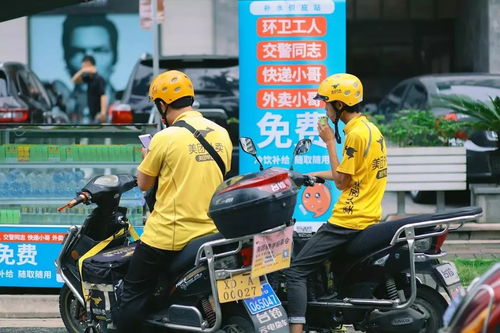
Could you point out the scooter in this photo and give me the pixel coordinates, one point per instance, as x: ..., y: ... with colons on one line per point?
x: 387, y: 279
x: 201, y: 291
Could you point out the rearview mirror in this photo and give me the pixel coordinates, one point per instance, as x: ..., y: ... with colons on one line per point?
x: 301, y: 148
x: 248, y: 146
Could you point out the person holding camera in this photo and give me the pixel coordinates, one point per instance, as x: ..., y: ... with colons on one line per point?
x: 96, y: 88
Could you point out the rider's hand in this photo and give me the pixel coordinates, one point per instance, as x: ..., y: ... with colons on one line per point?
x: 144, y: 152
x: 325, y: 132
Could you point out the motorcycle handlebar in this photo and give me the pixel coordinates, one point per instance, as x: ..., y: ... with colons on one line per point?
x: 301, y: 179
x: 319, y: 180
x: 82, y: 197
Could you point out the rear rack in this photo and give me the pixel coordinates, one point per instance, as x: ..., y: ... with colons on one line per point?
x: 207, y: 254
x: 410, y: 237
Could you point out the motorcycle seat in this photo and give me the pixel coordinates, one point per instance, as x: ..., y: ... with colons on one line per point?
x: 378, y: 236
x: 187, y: 255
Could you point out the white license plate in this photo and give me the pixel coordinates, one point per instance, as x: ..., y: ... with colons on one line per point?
x: 449, y: 273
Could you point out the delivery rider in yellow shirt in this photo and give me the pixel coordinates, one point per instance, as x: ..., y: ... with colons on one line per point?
x: 187, y: 177
x: 361, y: 176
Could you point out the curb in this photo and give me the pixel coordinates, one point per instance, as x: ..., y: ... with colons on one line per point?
x: 29, y: 306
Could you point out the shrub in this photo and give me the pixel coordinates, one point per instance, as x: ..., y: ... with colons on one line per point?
x: 418, y: 128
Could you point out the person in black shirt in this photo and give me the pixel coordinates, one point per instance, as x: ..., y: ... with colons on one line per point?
x: 96, y: 88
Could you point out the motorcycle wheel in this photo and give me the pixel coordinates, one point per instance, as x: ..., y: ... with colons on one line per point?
x: 432, y: 304
x: 235, y: 320
x: 73, y: 313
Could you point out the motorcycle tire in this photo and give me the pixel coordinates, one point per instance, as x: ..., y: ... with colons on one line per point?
x: 235, y: 320
x: 431, y: 303
x: 73, y: 313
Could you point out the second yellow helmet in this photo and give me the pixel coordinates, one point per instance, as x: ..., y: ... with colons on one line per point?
x: 346, y: 88
x: 170, y: 86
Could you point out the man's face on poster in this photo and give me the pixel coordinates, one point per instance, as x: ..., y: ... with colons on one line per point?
x: 94, y: 41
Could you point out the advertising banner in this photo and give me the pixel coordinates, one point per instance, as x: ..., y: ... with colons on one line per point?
x: 27, y: 256
x: 58, y: 43
x: 286, y: 49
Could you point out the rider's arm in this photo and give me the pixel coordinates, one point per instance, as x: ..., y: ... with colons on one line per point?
x: 145, y: 182
x: 323, y: 174
x: 149, y: 169
x: 342, y: 180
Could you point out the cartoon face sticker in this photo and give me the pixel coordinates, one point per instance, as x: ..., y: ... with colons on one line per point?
x: 317, y: 199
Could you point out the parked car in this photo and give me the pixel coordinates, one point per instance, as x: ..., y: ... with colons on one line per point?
x: 479, y: 310
x: 419, y: 93
x: 216, y: 86
x: 23, y: 98
x: 215, y: 79
x: 59, y: 94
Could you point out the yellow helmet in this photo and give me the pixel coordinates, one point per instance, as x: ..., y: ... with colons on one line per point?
x: 344, y: 87
x: 170, y: 86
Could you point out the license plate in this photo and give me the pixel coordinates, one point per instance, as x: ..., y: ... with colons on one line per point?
x: 238, y: 287
x: 266, y: 301
x: 449, y: 273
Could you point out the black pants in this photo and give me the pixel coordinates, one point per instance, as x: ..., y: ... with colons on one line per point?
x: 320, y: 247
x: 146, y: 265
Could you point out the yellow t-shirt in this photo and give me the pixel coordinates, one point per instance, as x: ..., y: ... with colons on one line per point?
x: 365, y: 159
x: 188, y: 177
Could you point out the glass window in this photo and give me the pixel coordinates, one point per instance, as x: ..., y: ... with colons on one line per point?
x: 22, y: 85
x: 477, y: 89
x: 3, y: 85
x: 391, y: 102
x: 41, y: 92
x: 416, y: 98
x: 31, y: 87
x: 212, y: 82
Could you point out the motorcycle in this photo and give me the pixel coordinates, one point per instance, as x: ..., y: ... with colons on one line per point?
x: 200, y: 291
x: 387, y: 279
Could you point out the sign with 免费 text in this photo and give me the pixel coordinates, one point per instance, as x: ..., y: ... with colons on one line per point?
x: 287, y: 48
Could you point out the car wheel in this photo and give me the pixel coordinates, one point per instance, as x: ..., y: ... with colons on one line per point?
x: 423, y: 196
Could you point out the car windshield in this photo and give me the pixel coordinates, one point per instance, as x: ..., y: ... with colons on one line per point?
x: 481, y: 90
x: 221, y: 81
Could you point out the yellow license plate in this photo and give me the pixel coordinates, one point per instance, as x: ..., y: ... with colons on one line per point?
x: 238, y: 287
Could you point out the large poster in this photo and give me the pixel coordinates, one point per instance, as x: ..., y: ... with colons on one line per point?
x: 59, y: 42
x: 287, y: 47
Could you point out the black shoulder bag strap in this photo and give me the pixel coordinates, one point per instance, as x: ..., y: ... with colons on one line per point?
x: 150, y: 196
x: 208, y: 147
